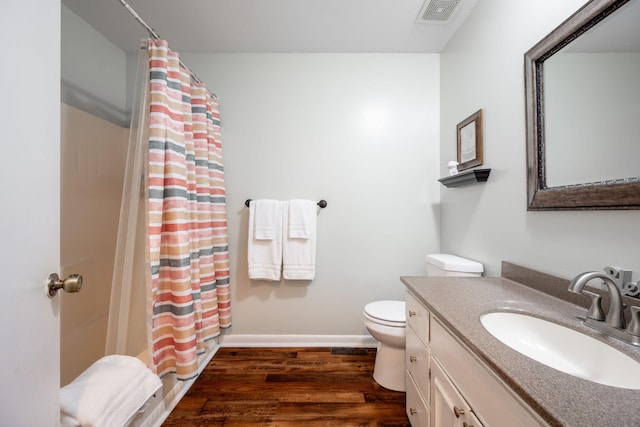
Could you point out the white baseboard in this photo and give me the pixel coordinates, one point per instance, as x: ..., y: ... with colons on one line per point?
x: 261, y: 340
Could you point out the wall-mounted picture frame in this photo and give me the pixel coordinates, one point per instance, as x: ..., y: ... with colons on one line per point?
x: 470, y: 141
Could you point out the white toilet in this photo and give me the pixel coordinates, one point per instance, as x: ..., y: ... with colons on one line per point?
x: 386, y: 321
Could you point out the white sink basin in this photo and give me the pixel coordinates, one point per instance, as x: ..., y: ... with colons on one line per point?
x: 564, y: 349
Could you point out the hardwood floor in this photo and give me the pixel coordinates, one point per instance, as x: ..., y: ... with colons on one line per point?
x: 286, y: 387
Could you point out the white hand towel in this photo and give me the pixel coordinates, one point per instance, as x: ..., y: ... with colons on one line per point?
x: 299, y: 254
x: 267, y: 219
x: 109, y: 392
x: 302, y: 218
x: 265, y: 256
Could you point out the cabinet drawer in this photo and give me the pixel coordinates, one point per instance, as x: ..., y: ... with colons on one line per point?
x: 417, y: 410
x: 417, y: 363
x: 493, y: 402
x: 418, y: 318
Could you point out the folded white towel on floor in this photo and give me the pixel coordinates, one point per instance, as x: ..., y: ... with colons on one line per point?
x: 299, y: 252
x: 267, y: 219
x: 109, y: 392
x: 264, y: 256
x: 67, y: 421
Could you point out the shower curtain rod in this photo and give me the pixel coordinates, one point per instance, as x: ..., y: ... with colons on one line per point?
x: 155, y: 35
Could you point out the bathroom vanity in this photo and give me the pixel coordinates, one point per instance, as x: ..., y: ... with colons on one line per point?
x: 442, y: 372
x: 458, y: 374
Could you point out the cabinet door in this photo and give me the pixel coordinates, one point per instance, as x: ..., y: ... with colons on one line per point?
x: 448, y: 407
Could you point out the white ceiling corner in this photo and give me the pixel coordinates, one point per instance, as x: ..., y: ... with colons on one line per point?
x: 205, y: 26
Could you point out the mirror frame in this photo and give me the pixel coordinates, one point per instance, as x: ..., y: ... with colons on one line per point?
x: 615, y: 194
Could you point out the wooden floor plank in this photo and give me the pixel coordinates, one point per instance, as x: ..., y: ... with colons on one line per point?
x: 285, y: 387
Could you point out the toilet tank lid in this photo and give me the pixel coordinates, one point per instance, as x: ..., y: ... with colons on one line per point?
x: 450, y: 262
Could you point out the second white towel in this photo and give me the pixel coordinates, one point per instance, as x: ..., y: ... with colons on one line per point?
x: 299, y: 240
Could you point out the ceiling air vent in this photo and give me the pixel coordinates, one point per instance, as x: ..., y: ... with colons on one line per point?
x: 437, y: 10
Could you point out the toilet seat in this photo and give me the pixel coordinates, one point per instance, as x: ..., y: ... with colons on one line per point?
x: 389, y: 313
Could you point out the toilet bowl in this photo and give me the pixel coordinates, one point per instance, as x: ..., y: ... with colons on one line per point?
x: 385, y: 321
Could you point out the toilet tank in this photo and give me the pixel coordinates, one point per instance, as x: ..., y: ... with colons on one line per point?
x: 452, y: 265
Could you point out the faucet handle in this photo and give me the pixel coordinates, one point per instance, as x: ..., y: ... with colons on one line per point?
x: 595, y: 311
x: 634, y: 324
x: 619, y: 275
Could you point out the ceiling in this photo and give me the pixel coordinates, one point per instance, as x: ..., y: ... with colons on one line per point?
x: 274, y: 25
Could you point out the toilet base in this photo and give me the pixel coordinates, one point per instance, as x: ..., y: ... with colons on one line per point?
x: 389, y: 367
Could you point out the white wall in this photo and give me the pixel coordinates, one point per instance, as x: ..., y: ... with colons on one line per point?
x: 359, y: 130
x: 292, y: 128
x: 483, y: 67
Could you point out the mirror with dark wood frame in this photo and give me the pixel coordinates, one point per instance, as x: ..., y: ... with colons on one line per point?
x: 601, y: 97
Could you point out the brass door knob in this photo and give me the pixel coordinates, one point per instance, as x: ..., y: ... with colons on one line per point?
x: 71, y: 284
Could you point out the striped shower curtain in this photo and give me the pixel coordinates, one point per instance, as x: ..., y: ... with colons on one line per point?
x: 187, y: 242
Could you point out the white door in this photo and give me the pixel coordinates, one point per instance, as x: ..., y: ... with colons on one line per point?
x: 29, y: 211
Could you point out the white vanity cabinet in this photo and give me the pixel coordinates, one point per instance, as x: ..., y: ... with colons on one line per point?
x: 448, y: 386
x: 417, y: 363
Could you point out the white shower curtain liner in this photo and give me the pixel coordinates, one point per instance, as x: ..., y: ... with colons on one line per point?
x: 130, y: 246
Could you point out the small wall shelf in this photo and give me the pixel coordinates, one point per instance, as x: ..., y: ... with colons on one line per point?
x: 466, y: 177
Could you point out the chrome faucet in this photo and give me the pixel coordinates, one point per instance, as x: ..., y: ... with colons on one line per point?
x: 615, y: 316
x: 614, y: 323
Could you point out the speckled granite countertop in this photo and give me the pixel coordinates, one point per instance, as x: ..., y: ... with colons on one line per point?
x: 559, y: 398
